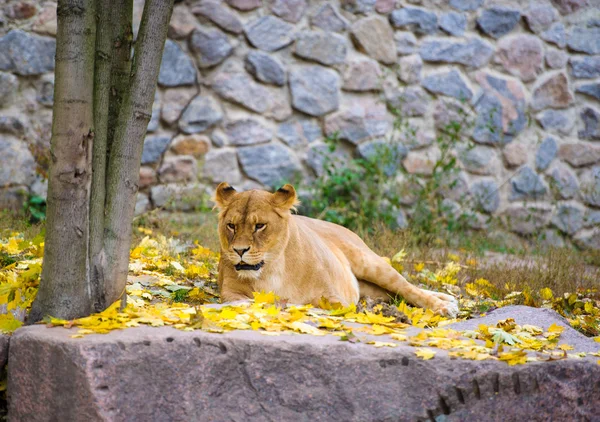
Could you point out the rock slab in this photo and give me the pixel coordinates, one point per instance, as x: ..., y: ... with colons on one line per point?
x: 162, y: 374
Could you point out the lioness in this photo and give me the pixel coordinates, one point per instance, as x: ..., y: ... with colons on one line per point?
x: 265, y: 247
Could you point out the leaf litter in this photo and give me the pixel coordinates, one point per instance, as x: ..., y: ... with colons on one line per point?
x: 174, y: 284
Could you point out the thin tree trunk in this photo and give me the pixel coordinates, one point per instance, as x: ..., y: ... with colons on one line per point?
x: 102, y: 76
x: 64, y: 288
x: 126, y: 151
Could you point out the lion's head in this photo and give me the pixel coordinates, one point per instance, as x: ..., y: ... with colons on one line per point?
x: 253, y: 226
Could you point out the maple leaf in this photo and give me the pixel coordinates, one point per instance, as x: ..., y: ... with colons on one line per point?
x: 425, y: 354
x: 382, y: 344
x: 516, y: 357
x: 8, y: 323
x: 262, y: 297
x: 555, y: 328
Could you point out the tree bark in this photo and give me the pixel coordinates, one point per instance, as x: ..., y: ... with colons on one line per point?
x: 126, y: 150
x: 103, y: 64
x: 64, y: 288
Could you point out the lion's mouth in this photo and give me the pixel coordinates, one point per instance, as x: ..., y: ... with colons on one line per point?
x: 242, y: 266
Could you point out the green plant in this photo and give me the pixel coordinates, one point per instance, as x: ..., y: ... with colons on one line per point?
x: 35, y: 208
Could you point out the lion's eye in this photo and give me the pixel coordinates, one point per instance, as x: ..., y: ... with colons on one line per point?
x: 259, y: 226
x: 231, y: 226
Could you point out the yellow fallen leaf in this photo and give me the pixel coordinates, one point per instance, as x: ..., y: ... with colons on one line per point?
x: 555, y: 328
x: 546, y: 293
x: 262, y: 297
x: 382, y: 344
x: 597, y: 339
x: 399, y: 337
x: 565, y: 347
x: 425, y: 354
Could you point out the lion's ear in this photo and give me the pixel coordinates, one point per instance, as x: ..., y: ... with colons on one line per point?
x: 285, y: 197
x: 224, y: 194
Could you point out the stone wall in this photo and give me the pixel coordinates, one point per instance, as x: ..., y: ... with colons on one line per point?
x: 248, y: 90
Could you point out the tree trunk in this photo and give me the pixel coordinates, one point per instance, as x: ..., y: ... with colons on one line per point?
x: 128, y: 142
x: 97, y: 94
x: 64, y: 288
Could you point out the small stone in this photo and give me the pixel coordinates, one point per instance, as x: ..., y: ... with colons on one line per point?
x: 588, y: 239
x: 450, y: 83
x: 244, y: 5
x: 221, y: 165
x: 486, y: 195
x: 454, y: 23
x: 449, y: 113
x: 322, y: 47
x: 154, y: 147
x: 147, y: 177
x: 585, y: 40
x: 269, y: 164
x: 8, y: 87
x: 590, y: 187
x: 177, y: 169
x: 552, y: 91
x: 175, y: 100
x: 406, y: 42
x: 515, y: 155
x: 384, y: 6
x: 362, y: 120
x: 455, y: 186
x: 411, y: 101
x: 421, y: 162
x: 241, y: 89
x: 566, y: 7
x: 289, y: 10
x: 247, y: 132
x: 409, y: 69
x: 298, y: 133
x: 563, y: 181
x: 591, y: 121
x: 218, y: 138
x: 551, y: 238
x: 265, y: 68
x: 280, y: 108
x: 142, y: 204
x: 568, y: 217
x: 415, y: 19
x: 478, y: 159
x: 12, y: 124
x: 387, y: 154
x: 219, y: 15
x: 177, y: 197
x: 556, y: 34
x: 201, y: 114
x: 546, y: 153
x: 466, y: 5
x: 358, y: 6
x: 501, y: 109
x: 17, y: 165
x: 26, y: 54
x: 45, y: 90
x: 21, y: 10
x: 540, y: 16
x: 194, y: 145
x: 556, y: 59
x: 527, y: 184
x: 521, y: 55
x: 315, y: 90
x: 560, y: 121
x: 176, y: 68
x: 592, y: 218
x: 46, y: 23
x: 362, y: 75
x: 498, y: 21
x: 473, y: 52
x: 269, y: 33
x: 593, y: 90
x: 586, y: 67
x: 579, y: 155
x: 374, y: 36
x: 527, y: 219
x: 210, y: 47
x: 182, y: 22
x: 329, y: 19
x: 155, y: 117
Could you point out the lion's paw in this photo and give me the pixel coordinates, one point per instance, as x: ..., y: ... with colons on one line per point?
x: 447, y: 308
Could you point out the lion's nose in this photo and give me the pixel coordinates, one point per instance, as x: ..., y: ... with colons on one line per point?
x: 241, y: 252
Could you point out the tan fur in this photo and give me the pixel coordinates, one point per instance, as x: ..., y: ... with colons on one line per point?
x: 304, y: 259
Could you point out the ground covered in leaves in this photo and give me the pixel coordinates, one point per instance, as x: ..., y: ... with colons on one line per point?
x: 174, y: 283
